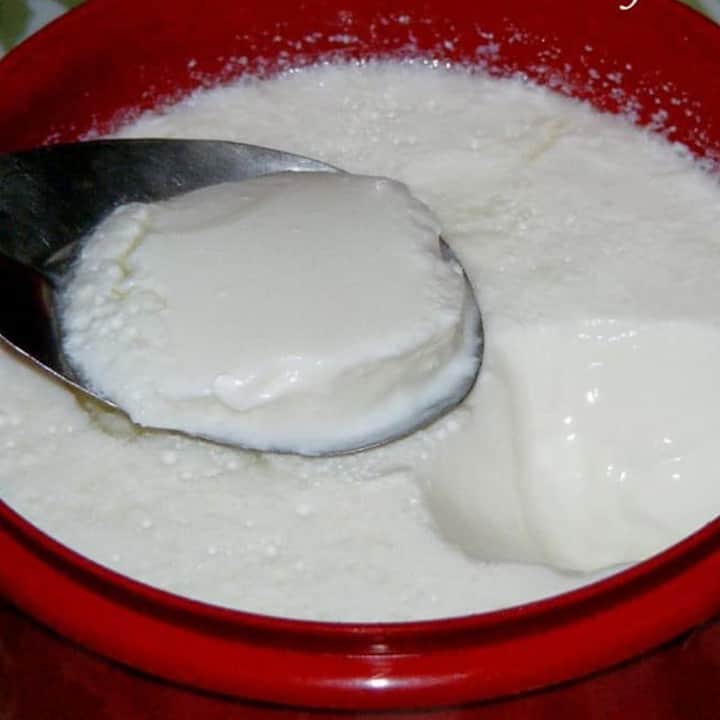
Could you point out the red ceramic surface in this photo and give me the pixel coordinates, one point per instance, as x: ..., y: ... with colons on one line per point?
x: 80, y: 626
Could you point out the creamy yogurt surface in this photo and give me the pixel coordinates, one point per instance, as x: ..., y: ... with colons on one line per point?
x: 303, y: 312
x: 586, y: 443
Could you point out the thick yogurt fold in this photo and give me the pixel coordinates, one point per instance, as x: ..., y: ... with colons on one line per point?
x: 302, y: 312
x: 595, y: 444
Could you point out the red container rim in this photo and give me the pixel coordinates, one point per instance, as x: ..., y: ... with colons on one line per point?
x: 360, y: 666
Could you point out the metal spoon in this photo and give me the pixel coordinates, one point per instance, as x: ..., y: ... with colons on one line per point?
x: 52, y: 197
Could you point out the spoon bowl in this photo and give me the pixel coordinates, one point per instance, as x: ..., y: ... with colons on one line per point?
x: 52, y: 197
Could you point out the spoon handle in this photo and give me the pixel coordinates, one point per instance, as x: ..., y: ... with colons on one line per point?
x: 26, y: 313
x: 50, y: 197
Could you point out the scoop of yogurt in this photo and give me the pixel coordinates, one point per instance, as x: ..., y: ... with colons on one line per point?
x: 299, y: 312
x: 594, y: 442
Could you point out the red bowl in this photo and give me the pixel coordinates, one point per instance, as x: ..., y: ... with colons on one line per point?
x: 80, y: 641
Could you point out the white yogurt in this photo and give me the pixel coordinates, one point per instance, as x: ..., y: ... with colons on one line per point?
x: 298, y: 311
x: 595, y: 444
x: 586, y: 443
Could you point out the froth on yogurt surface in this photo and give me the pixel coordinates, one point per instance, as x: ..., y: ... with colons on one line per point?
x: 587, y: 442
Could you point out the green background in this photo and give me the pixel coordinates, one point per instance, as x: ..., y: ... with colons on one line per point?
x: 15, y: 16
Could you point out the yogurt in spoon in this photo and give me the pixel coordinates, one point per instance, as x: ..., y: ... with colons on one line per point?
x: 299, y: 312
